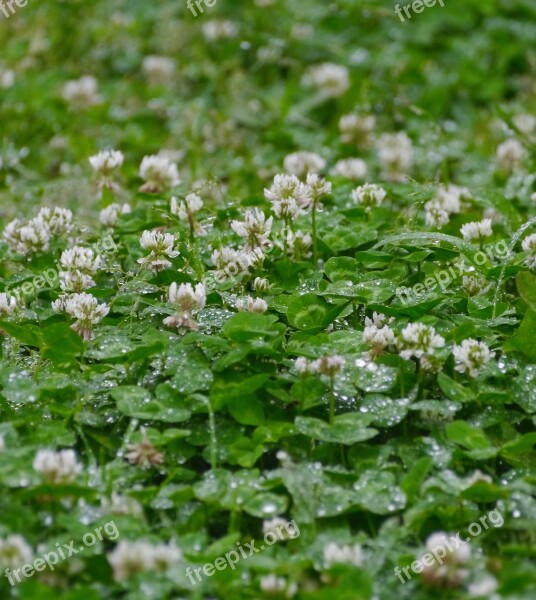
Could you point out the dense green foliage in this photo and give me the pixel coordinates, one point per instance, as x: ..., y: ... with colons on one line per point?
x: 238, y: 434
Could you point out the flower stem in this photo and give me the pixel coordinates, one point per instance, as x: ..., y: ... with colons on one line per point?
x: 315, y: 249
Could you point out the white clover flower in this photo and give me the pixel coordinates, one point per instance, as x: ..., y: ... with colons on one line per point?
x: 261, y: 285
x: 328, y: 365
x: 271, y: 584
x: 159, y: 174
x: 525, y: 123
x: 316, y: 188
x: 276, y: 525
x: 460, y: 553
x: 485, y: 587
x: 477, y: 230
x: 81, y: 93
x: 451, y: 197
x: 57, y: 467
x: 158, y: 69
x: 435, y: 215
x: 14, y: 552
x: 129, y: 558
x: 378, y: 334
x: 75, y: 281
x: 418, y: 339
x: 187, y: 300
x: 510, y: 154
x: 298, y: 244
x: 106, y: 161
x: 301, y: 163
x: 395, y: 153
x: 166, y: 556
x: 57, y: 220
x: 187, y: 212
x: 475, y: 285
x: 304, y: 366
x: 369, y: 196
x: 83, y: 259
x: 216, y: 29
x: 8, y: 304
x: 332, y: 80
x: 471, y: 356
x: 255, y: 228
x: 529, y: 245
x: 160, y: 246
x: 447, y: 572
x: 30, y: 238
x: 110, y: 215
x: 254, y: 305
x: 356, y: 128
x: 7, y: 78
x: 378, y: 320
x: 347, y: 555
x: 225, y: 260
x: 119, y: 504
x: 350, y: 168
x: 287, y: 196
x: 85, y: 308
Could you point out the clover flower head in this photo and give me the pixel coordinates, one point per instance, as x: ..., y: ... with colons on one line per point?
x: 186, y: 300
x: 160, y: 246
x: 8, y: 304
x: 300, y: 163
x: 57, y: 467
x: 14, y: 552
x: 395, y: 153
x: 255, y: 228
x: 350, y: 168
x: 418, y: 339
x: 131, y: 557
x: 356, y: 128
x: 85, y: 308
x: 159, y: 174
x: 347, y: 555
x: 106, y: 161
x: 254, y: 305
x: 510, y: 154
x: 471, y: 356
x: 158, y: 69
x: 331, y: 80
x: 368, y: 196
x: 477, y: 230
x: 81, y: 93
x: 529, y: 245
x: 110, y: 215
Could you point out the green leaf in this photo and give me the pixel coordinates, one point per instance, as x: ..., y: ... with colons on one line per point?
x: 523, y: 340
x: 136, y: 402
x: 246, y: 326
x: 526, y: 286
x: 347, y: 429
x: 454, y: 390
x: 29, y: 335
x: 267, y: 505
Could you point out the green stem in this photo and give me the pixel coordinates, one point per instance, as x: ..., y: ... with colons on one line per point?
x: 332, y: 401
x: 315, y: 250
